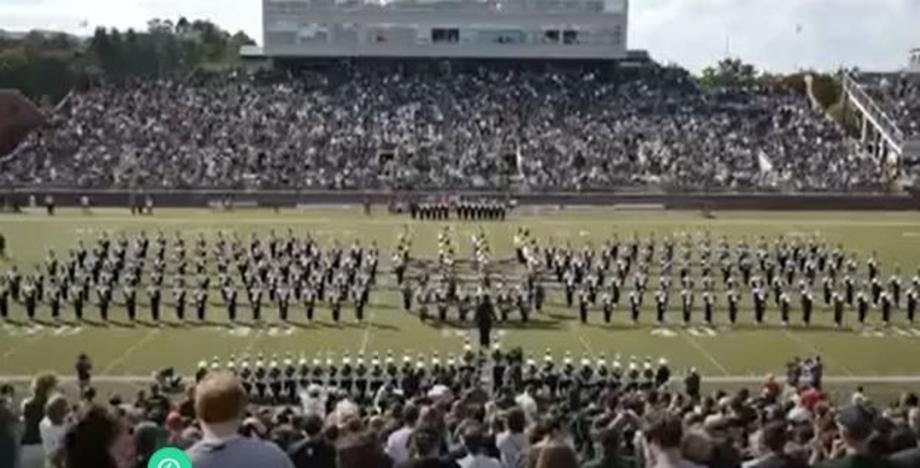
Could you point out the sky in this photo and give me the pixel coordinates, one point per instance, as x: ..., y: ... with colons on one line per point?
x: 775, y: 35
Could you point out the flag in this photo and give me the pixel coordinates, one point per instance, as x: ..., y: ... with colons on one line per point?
x: 764, y: 163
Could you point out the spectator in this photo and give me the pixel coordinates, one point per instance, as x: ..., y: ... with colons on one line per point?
x: 856, y: 427
x: 527, y: 403
x: 663, y: 434
x: 33, y: 411
x: 53, y: 428
x: 556, y: 455
x: 98, y: 439
x: 361, y: 450
x: 512, y: 444
x: 9, y: 428
x: 610, y: 456
x: 484, y: 129
x: 313, y: 451
x: 908, y: 457
x: 397, y: 446
x: 314, y: 402
x: 219, y: 404
x: 773, y: 439
x: 426, y: 451
x: 475, y: 444
x: 148, y: 438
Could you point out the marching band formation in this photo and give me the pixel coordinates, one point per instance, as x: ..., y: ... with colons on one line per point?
x: 282, y: 381
x: 280, y: 271
x: 702, y: 274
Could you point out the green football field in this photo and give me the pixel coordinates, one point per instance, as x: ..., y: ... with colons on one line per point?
x: 122, y: 351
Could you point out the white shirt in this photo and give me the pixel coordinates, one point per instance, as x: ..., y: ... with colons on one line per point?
x: 478, y: 461
x: 398, y: 445
x: 512, y: 448
x: 313, y: 405
x: 52, y: 436
x: 528, y: 404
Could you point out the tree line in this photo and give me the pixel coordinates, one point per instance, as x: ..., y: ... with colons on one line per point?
x: 45, y: 66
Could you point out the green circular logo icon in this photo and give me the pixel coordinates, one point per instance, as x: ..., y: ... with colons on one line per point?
x: 169, y: 457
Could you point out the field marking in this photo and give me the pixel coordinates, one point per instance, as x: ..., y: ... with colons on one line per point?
x: 29, y: 341
x: 814, y: 349
x: 251, y: 344
x: 584, y: 343
x: 365, y: 339
x: 705, y: 352
x: 131, y: 350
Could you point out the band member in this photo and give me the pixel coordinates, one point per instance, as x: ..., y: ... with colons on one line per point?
x: 583, y: 300
x: 154, y: 296
x: 336, y: 308
x: 282, y: 297
x: 54, y: 301
x: 540, y: 296
x: 406, y: 290
x: 104, y: 295
x: 911, y: 304
x: 686, y: 296
x: 661, y: 306
x: 732, y: 299
x: 130, y: 296
x: 807, y: 304
x: 4, y: 300
x: 230, y: 295
x: 309, y: 301
x: 760, y: 305
x: 179, y: 300
x: 255, y: 302
x: 784, y: 307
x: 708, y: 305
x: 886, y: 308
x: 635, y: 305
x: 76, y: 298
x: 30, y: 300
x: 485, y: 316
x: 607, y: 306
x: 862, y: 307
x: 441, y: 304
x: 838, y: 309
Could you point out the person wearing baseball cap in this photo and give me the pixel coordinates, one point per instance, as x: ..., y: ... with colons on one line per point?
x: 856, y: 424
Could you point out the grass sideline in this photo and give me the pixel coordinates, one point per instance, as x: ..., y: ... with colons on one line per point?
x: 743, y: 352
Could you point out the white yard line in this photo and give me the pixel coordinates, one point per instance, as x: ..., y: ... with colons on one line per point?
x: 814, y: 349
x: 251, y: 344
x: 131, y: 350
x: 29, y: 342
x: 704, y: 352
x: 584, y: 343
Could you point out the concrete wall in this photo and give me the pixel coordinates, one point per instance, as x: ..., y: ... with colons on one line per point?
x: 724, y: 201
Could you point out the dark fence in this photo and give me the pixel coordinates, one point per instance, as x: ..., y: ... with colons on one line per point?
x: 684, y: 201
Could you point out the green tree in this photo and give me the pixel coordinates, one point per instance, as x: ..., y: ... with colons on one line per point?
x: 729, y: 72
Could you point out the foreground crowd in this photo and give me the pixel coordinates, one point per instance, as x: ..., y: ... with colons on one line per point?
x: 364, y: 128
x: 615, y: 425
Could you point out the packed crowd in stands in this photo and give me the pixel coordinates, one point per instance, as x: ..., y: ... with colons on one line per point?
x: 899, y: 97
x: 371, y: 129
x: 440, y: 423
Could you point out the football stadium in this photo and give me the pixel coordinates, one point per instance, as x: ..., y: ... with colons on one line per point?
x: 451, y: 234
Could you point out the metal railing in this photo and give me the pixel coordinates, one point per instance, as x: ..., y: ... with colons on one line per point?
x: 875, y: 112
